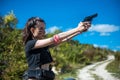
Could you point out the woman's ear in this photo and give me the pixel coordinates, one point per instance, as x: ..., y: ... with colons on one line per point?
x: 32, y: 30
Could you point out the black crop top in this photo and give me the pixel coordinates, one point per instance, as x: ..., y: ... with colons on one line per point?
x: 37, y: 57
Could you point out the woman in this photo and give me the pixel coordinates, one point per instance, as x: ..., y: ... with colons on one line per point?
x: 37, y: 48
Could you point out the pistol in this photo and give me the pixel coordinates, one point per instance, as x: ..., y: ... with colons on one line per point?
x: 89, y: 18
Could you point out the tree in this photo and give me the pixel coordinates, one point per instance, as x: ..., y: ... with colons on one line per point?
x: 11, y: 48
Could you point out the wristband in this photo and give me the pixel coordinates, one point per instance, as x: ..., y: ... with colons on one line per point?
x: 56, y: 39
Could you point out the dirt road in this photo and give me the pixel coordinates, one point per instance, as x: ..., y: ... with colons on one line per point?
x: 97, y: 71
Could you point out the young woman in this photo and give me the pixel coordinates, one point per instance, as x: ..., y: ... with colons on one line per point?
x: 37, y: 47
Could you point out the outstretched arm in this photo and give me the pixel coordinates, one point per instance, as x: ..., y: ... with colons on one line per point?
x: 66, y: 39
x: 70, y: 37
x: 73, y: 35
x: 83, y: 26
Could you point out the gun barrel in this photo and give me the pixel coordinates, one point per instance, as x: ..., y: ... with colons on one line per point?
x: 89, y: 18
x: 94, y: 15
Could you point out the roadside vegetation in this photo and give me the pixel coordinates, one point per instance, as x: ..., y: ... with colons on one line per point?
x: 114, y: 67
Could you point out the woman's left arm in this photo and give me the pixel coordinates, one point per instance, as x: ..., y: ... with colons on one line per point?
x: 66, y: 39
x: 70, y: 37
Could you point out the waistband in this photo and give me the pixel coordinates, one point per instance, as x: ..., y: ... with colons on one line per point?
x: 44, y: 67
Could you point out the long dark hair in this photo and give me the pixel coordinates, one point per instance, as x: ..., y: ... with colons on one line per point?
x: 27, y: 35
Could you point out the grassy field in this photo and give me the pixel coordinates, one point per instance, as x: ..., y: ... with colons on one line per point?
x: 114, y: 68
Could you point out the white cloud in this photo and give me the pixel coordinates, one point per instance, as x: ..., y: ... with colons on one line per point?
x: 104, y: 29
x: 104, y: 46
x: 95, y: 45
x: 52, y: 29
x: 101, y: 46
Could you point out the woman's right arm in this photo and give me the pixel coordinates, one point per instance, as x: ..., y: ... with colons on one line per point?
x: 50, y: 41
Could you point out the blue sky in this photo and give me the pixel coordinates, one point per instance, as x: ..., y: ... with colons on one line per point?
x: 66, y: 14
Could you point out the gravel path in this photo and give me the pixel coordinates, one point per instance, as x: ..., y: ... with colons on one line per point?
x: 97, y: 71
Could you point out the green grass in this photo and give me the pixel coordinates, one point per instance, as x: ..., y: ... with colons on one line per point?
x: 114, y: 68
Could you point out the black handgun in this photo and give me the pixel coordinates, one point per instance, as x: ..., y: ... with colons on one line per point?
x: 89, y: 18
